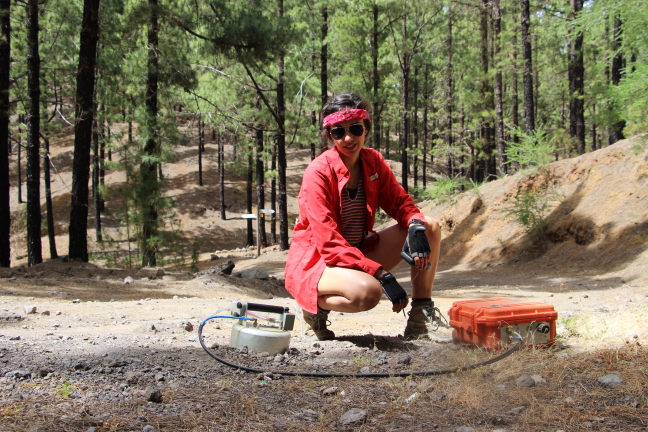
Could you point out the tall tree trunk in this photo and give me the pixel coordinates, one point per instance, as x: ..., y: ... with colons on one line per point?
x: 577, y: 82
x: 260, y: 187
x: 415, y: 142
x: 425, y: 125
x: 5, y: 65
x: 201, y: 145
x: 248, y: 198
x: 19, y: 167
x: 149, y: 168
x: 499, y: 110
x: 404, y: 134
x: 96, y: 193
x: 51, y: 235
x: 323, y: 55
x: 515, y: 108
x: 273, y: 198
x: 594, y: 129
x: 487, y: 93
x: 34, y: 246
x: 102, y: 160
x: 529, y: 116
x: 221, y: 175
x: 375, y: 115
x: 616, y: 130
x: 281, y: 148
x: 449, y: 95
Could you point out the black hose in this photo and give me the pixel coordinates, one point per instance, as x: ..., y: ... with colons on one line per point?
x: 498, y: 357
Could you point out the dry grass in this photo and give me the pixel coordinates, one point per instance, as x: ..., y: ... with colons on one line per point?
x: 571, y: 399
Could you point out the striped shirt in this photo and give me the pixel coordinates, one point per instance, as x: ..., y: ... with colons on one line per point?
x: 354, y: 214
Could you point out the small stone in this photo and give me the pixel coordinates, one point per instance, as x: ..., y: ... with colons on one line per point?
x: 29, y: 310
x: 516, y: 411
x: 76, y: 301
x: 611, y: 381
x: 405, y: 359
x: 159, y: 272
x: 18, y: 375
x: 148, y: 428
x: 464, y: 429
x: 159, y: 377
x: 354, y: 415
x: 309, y: 415
x: 539, y: 379
x: 255, y: 274
x: 525, y: 381
x: 330, y: 391
x: 144, y: 279
x: 186, y: 326
x: 280, y: 424
x: 153, y: 395
x: 213, y: 257
x: 10, y: 316
x: 128, y: 280
x: 45, y: 313
x: 91, y: 429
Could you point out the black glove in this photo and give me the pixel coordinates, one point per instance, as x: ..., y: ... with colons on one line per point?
x: 416, y: 244
x: 392, y: 288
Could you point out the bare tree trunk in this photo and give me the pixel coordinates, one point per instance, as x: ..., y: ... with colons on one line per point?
x: 201, y: 145
x: 281, y: 149
x: 529, y: 114
x: 34, y: 246
x: 19, y: 167
x: 5, y: 65
x: 425, y: 125
x: 576, y: 82
x: 221, y: 174
x: 616, y: 130
x: 51, y: 235
x: 487, y: 94
x: 404, y: 133
x: 149, y: 169
x: 248, y: 198
x: 273, y: 198
x: 323, y: 54
x: 449, y: 95
x: 499, y: 110
x: 376, y: 79
x: 96, y: 193
x: 260, y: 187
x: 515, y: 108
x: 415, y: 143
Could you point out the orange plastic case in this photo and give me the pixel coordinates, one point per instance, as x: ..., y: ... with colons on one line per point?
x: 489, y: 322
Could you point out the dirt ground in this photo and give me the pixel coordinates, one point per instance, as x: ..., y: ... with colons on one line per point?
x: 86, y: 345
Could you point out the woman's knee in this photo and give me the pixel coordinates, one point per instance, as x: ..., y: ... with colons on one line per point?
x: 367, y: 296
x: 433, y: 227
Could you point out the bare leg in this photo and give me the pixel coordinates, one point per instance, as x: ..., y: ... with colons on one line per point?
x: 350, y: 290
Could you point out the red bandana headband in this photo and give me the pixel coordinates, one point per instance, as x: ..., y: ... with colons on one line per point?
x: 345, y: 115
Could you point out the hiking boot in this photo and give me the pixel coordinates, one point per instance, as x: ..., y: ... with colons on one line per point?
x: 418, y: 320
x: 318, y: 323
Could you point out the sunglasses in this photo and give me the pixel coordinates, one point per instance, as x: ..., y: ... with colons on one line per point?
x: 338, y: 132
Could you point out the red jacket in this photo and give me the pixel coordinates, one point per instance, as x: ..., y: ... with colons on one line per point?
x: 317, y: 239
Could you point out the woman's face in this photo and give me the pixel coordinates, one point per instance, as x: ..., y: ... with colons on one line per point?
x: 349, y: 145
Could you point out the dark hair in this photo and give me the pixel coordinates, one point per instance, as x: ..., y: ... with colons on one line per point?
x: 340, y: 102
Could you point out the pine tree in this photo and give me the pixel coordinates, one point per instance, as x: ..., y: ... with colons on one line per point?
x: 34, y: 246
x: 5, y: 65
x: 84, y: 118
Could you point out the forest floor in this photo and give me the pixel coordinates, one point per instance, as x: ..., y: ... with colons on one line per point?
x: 90, y: 345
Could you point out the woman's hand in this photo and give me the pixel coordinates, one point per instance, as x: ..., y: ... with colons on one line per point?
x: 417, y: 245
x: 397, y: 307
